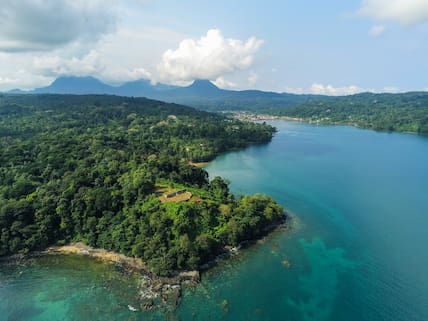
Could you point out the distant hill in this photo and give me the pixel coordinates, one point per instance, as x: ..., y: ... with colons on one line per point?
x: 406, y: 112
x: 202, y: 94
x: 392, y: 112
x: 75, y: 85
x: 141, y: 87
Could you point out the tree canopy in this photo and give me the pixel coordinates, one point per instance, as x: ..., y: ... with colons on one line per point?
x: 86, y: 168
x: 406, y: 112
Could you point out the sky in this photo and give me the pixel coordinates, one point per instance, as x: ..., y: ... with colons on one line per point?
x: 332, y: 47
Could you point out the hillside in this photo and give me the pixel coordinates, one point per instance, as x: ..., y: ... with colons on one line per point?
x: 95, y: 168
x: 390, y: 112
x: 406, y: 112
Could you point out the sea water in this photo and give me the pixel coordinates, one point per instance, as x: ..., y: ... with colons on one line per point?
x: 356, y: 248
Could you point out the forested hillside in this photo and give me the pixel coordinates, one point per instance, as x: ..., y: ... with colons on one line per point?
x: 88, y: 168
x: 390, y: 112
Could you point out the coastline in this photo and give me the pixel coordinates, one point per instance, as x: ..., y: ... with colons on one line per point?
x: 254, y: 117
x: 155, y: 291
x: 199, y: 164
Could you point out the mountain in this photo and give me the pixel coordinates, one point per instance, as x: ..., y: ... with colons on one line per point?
x: 200, y: 88
x: 141, y: 87
x: 202, y: 94
x: 392, y: 112
x: 17, y: 91
x: 75, y: 85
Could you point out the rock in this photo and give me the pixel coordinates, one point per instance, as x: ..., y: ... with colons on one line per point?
x: 190, y: 276
x: 171, y: 294
x: 225, y: 306
x: 286, y: 264
x: 148, y: 305
x: 131, y: 308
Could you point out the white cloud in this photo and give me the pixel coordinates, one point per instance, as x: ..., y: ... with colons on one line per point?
x: 209, y: 57
x: 92, y: 64
x: 221, y: 82
x: 390, y: 89
x: 121, y: 75
x: 29, y: 25
x: 8, y: 81
x: 59, y: 66
x: 406, y: 12
x: 320, y: 89
x: 377, y: 31
x: 252, y: 78
x: 130, y: 53
x: 294, y: 90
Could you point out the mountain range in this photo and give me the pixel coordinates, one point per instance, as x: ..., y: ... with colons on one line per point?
x: 202, y: 94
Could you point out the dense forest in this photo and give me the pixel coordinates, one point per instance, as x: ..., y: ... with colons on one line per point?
x: 389, y: 112
x: 89, y: 168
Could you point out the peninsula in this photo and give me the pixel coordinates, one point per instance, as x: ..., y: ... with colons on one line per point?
x: 114, y: 173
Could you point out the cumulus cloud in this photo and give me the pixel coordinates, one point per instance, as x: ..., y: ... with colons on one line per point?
x: 124, y: 55
x: 320, y: 89
x: 7, y: 80
x: 390, y: 89
x: 59, y: 66
x: 92, y: 64
x: 252, y: 78
x: 209, y: 57
x: 221, y: 82
x: 377, y: 31
x: 294, y: 90
x: 406, y: 12
x: 38, y: 25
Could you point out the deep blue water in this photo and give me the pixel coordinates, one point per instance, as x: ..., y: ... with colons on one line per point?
x: 357, y: 248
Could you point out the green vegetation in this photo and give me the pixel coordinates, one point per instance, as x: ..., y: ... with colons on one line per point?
x: 85, y: 168
x: 389, y: 112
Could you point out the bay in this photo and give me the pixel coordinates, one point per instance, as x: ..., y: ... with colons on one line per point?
x: 356, y: 249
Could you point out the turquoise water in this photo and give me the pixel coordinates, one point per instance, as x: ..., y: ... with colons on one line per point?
x: 66, y: 288
x: 357, y: 249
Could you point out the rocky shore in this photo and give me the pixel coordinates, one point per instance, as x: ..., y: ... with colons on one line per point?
x: 155, y: 291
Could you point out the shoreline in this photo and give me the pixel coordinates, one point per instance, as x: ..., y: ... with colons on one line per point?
x: 155, y: 291
x: 254, y: 117
x: 199, y: 164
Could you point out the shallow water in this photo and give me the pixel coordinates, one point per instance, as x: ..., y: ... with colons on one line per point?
x: 65, y: 287
x: 357, y: 248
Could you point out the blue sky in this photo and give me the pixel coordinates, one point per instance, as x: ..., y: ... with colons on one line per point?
x: 330, y: 47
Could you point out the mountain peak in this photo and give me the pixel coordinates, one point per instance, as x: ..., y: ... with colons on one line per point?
x: 74, y: 79
x: 204, y: 85
x: 75, y: 85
